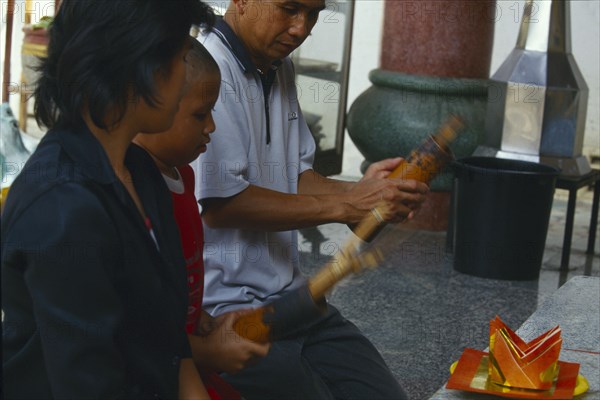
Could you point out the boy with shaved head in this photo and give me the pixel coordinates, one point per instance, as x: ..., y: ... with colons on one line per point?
x: 214, y: 347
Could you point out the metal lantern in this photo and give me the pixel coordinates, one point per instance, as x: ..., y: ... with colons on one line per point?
x: 537, y: 100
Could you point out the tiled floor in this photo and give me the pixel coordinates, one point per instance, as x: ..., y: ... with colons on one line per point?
x: 421, y: 313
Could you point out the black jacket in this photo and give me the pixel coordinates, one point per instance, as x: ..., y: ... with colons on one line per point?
x: 93, y: 309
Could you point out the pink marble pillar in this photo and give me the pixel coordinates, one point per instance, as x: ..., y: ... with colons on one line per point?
x: 451, y: 39
x: 439, y: 38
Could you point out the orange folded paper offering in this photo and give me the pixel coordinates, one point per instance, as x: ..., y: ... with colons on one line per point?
x: 514, y: 363
x: 470, y: 373
x: 516, y: 369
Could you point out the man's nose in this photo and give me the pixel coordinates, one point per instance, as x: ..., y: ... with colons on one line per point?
x: 300, y: 26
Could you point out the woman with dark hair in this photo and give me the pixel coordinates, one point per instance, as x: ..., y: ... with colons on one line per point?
x: 94, y: 289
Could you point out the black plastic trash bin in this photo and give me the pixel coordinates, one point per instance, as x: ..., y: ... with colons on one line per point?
x: 501, y: 215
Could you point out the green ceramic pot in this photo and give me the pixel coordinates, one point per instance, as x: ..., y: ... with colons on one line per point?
x: 398, y: 112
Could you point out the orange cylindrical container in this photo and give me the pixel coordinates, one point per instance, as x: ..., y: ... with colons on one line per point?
x: 424, y: 162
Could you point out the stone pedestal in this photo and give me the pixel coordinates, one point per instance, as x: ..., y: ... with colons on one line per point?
x: 435, y: 61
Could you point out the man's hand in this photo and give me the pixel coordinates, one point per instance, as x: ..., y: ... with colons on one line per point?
x: 218, y: 348
x: 382, y: 169
x: 401, y: 198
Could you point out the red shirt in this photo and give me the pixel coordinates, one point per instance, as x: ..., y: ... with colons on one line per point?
x: 187, y: 216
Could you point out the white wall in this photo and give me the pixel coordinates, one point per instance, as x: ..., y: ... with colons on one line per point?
x: 585, y: 39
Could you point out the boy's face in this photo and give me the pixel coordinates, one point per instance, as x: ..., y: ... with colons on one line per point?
x: 193, y: 124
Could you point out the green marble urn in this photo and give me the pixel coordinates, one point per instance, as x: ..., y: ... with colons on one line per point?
x: 400, y: 110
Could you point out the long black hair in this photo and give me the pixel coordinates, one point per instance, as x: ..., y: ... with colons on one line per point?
x: 103, y: 54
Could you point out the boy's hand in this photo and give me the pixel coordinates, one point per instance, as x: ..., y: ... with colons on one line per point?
x: 206, y: 324
x: 221, y: 349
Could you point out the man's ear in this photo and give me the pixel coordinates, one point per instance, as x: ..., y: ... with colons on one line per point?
x: 240, y: 6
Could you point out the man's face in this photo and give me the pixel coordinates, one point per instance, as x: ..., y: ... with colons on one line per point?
x: 272, y: 29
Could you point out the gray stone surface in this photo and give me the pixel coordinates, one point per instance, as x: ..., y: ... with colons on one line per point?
x: 575, y: 308
x: 421, y: 313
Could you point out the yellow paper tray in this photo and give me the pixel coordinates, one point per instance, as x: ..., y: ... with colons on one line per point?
x: 470, y: 373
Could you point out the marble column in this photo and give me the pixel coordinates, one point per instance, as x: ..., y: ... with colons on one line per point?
x: 439, y: 38
x: 435, y: 61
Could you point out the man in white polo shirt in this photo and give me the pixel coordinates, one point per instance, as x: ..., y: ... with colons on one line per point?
x: 256, y: 187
